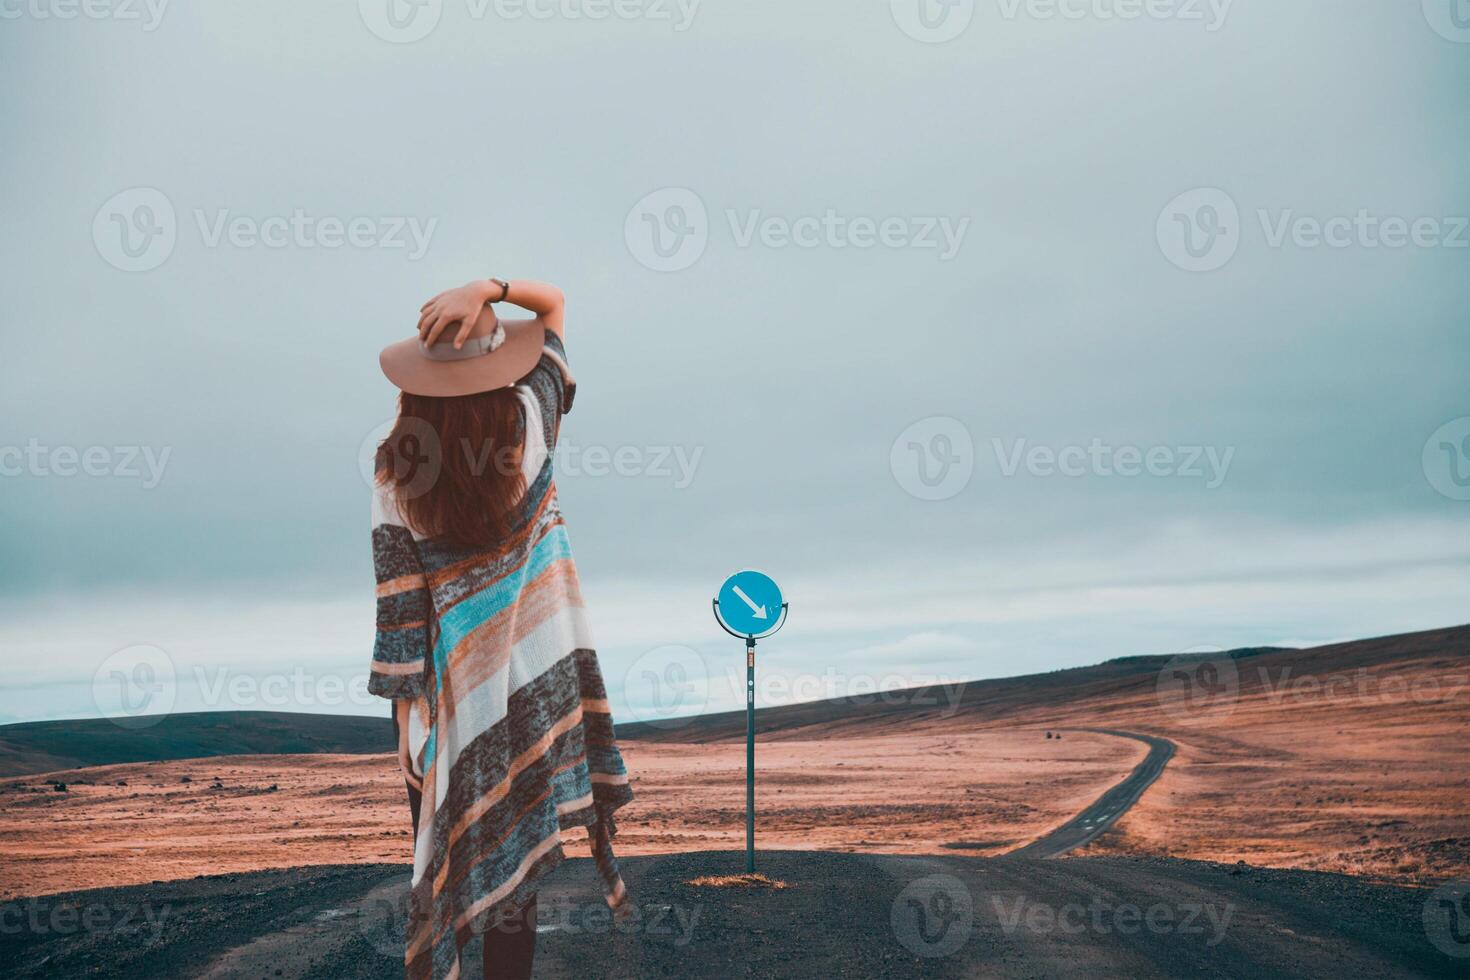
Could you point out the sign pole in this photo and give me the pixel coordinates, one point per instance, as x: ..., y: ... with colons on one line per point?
x: 750, y: 606
x: 750, y: 755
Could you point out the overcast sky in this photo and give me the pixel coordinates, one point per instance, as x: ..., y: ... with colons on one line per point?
x: 1008, y: 337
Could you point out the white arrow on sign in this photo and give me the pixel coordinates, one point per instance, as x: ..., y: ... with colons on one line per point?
x: 760, y: 611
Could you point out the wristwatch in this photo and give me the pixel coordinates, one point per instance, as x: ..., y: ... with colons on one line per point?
x: 504, y: 290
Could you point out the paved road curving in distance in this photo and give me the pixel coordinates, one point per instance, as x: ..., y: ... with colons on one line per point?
x: 1106, y: 809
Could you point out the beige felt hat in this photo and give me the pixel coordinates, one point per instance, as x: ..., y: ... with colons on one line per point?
x: 497, y: 353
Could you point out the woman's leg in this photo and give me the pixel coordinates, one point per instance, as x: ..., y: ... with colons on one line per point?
x: 414, y: 796
x: 510, y: 940
x: 510, y: 944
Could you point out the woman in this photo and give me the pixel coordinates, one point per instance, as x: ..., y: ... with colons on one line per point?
x: 504, y: 733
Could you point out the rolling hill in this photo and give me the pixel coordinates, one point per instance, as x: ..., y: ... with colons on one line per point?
x: 48, y: 746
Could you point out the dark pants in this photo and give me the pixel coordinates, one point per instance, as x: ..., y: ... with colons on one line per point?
x: 510, y: 938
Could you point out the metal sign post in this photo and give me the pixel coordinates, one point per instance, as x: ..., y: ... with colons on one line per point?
x: 750, y: 606
x: 750, y: 754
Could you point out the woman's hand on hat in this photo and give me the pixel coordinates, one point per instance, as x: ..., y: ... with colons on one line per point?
x: 462, y: 305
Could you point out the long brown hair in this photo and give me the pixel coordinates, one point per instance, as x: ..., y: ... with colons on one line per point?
x: 454, y: 465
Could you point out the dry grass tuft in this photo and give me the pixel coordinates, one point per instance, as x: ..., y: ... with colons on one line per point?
x: 737, y: 881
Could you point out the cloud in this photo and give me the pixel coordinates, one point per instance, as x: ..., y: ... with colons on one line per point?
x: 1059, y: 322
x: 925, y: 644
x: 1008, y: 614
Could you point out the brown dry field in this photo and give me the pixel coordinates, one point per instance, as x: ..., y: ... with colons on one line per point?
x: 1347, y: 758
x: 1373, y: 781
x: 896, y: 794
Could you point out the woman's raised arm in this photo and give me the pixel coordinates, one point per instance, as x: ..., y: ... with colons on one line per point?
x: 541, y: 298
x: 464, y: 304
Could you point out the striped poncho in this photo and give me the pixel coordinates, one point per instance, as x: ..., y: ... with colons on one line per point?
x: 511, y: 734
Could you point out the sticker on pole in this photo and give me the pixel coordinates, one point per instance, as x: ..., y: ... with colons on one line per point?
x: 750, y: 603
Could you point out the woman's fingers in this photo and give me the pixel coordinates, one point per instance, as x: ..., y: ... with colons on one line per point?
x: 465, y: 326
x: 436, y: 327
x: 426, y: 323
x: 436, y: 317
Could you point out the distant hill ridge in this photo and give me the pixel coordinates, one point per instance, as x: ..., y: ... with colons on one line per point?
x: 48, y: 746
x: 1159, y: 659
x: 1123, y: 687
x: 1119, y: 692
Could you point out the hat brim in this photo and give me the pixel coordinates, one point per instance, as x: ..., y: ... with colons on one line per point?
x: 405, y: 365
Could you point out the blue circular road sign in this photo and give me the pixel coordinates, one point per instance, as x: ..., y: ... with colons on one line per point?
x: 750, y: 603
